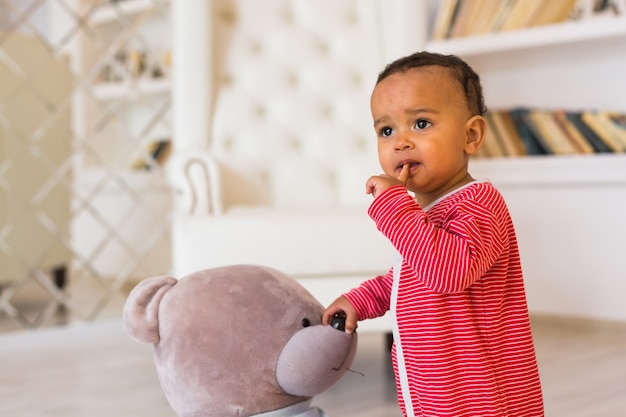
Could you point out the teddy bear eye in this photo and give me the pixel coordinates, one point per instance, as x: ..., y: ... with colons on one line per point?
x: 306, y: 322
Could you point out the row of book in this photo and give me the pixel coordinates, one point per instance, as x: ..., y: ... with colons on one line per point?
x: 526, y: 131
x: 458, y: 18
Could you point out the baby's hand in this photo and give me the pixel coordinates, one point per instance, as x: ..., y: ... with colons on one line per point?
x: 378, y: 184
x: 342, y: 306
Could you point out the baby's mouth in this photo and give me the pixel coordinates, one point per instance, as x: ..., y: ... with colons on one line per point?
x: 412, y: 165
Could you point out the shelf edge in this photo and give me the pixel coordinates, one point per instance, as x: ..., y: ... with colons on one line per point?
x: 595, y: 28
x: 583, y: 170
x: 107, y: 13
x: 131, y: 90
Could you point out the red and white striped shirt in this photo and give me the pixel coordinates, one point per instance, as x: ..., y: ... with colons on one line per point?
x: 461, y: 306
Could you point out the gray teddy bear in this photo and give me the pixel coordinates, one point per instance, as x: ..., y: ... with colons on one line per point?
x: 241, y: 340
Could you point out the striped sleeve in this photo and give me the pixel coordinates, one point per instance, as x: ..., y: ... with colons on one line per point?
x: 447, y: 258
x: 372, y: 298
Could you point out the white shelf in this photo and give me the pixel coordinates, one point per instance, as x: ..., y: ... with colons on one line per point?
x: 567, y: 209
x: 110, y: 12
x: 131, y: 90
x: 145, y: 181
x: 550, y: 170
x: 589, y: 29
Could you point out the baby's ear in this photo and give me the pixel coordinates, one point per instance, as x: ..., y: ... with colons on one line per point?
x: 141, y: 311
x: 475, y: 130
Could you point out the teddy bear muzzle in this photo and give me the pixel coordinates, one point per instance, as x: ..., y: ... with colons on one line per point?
x: 314, y: 359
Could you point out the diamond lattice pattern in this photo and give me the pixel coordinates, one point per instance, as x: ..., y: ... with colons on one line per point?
x: 86, y: 128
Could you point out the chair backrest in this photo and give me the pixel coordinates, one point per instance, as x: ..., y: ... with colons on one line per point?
x: 291, y: 125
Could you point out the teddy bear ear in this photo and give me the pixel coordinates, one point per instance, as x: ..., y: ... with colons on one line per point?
x: 141, y: 311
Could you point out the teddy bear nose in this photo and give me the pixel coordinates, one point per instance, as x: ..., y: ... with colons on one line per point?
x: 338, y: 322
x: 306, y: 322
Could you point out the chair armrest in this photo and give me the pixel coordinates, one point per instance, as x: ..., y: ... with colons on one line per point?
x: 196, y: 179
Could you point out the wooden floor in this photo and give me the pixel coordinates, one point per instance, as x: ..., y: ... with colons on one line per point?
x: 95, y: 370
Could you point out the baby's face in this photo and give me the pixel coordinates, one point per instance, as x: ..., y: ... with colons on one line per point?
x: 421, y: 118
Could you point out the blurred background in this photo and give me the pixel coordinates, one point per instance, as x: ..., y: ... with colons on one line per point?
x: 128, y: 124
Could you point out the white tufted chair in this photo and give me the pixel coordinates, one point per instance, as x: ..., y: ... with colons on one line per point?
x: 281, y: 179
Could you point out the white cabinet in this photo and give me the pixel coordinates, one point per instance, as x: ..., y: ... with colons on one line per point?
x: 121, y: 58
x: 35, y: 138
x: 123, y: 98
x: 568, y: 210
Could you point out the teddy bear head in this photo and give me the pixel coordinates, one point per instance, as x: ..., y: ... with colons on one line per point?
x: 239, y: 340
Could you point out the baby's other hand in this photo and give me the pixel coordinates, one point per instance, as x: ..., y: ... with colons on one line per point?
x: 343, y: 307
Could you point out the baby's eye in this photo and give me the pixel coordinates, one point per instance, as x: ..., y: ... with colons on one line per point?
x: 422, y: 124
x: 386, y: 131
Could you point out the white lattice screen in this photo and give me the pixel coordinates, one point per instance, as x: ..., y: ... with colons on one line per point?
x: 85, y: 127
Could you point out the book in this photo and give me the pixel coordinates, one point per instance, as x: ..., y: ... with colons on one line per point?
x: 458, y: 18
x: 618, y: 120
x: 491, y: 145
x: 578, y: 140
x: 467, y: 13
x: 592, y: 120
x: 553, y: 12
x: 161, y: 150
x: 158, y: 152
x: 521, y: 14
x: 489, y: 12
x: 504, y: 9
x: 497, y: 135
x: 444, y: 19
x: 538, y: 132
x: 606, y: 119
x: 510, y: 136
x: 594, y: 140
x: 531, y: 143
x: 551, y: 133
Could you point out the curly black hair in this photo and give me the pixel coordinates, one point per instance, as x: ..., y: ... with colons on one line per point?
x: 458, y: 68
